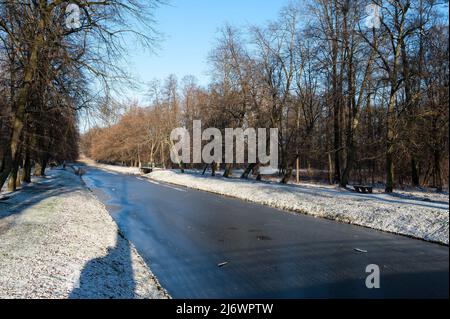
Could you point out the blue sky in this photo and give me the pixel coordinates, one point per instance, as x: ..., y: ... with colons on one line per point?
x: 190, y: 29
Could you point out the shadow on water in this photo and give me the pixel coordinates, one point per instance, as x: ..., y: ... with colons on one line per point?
x: 108, y: 277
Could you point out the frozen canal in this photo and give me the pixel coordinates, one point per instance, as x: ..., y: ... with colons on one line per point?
x: 201, y: 245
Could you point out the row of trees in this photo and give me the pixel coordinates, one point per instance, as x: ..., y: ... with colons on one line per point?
x: 360, y: 99
x: 51, y: 54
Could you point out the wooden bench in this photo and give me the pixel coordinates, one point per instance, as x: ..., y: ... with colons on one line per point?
x: 363, y: 189
x: 146, y: 168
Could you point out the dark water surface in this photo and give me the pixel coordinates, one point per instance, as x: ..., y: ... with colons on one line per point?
x: 185, y: 234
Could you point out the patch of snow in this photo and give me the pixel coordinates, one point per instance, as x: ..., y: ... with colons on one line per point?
x: 111, y: 168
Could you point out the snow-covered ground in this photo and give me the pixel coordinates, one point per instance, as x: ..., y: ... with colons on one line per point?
x: 418, y: 214
x: 58, y: 241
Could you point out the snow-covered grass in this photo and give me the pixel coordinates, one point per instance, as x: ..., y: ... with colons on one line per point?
x: 58, y: 241
x: 120, y: 169
x: 416, y: 214
x: 111, y: 168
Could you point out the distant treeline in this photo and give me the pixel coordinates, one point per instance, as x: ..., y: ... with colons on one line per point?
x: 365, y: 103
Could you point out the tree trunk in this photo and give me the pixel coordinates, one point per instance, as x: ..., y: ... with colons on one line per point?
x: 12, y: 182
x: 43, y: 166
x: 287, y: 175
x: 228, y: 170
x: 26, y: 176
x: 390, y: 142
x: 248, y: 170
x: 351, y: 150
x: 7, y: 167
x: 389, y: 173
x: 288, y: 169
x: 336, y: 106
x: 37, y: 169
x: 414, y: 172
x: 213, y: 169
x: 19, y: 177
x: 437, y: 171
x: 372, y: 173
x: 330, y: 169
x: 163, y: 161
x: 337, y: 161
x: 179, y: 160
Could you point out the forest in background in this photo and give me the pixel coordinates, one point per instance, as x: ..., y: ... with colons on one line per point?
x: 353, y: 104
x: 57, y: 58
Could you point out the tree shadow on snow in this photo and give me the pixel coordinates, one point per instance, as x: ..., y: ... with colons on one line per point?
x: 28, y: 195
x: 109, y: 277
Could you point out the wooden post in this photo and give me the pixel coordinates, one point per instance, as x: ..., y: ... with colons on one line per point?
x: 297, y: 169
x: 162, y: 155
x: 139, y: 156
